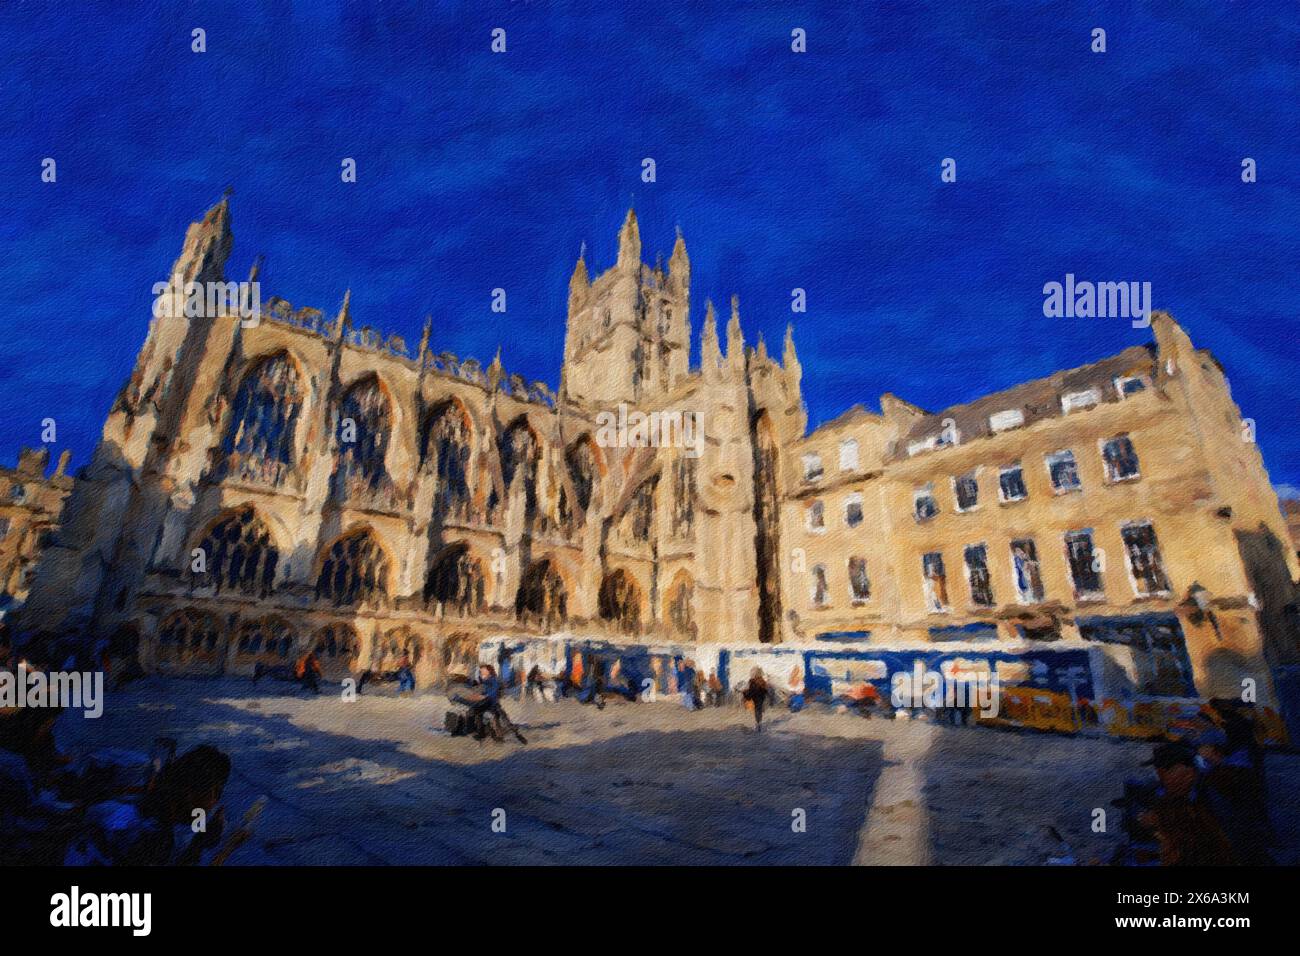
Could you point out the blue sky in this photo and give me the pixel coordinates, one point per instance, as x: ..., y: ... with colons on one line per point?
x: 818, y: 171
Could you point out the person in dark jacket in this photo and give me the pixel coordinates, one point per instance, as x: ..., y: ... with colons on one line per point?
x: 755, y: 695
x: 1186, y: 828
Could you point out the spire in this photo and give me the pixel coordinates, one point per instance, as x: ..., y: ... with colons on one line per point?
x: 761, y: 351
x: 344, y: 320
x: 207, y: 246
x: 710, y: 353
x: 424, y: 339
x: 579, y: 281
x: 629, y: 243
x: 735, y: 337
x: 496, y: 371
x: 679, y: 263
x: 789, y: 357
x: 256, y: 269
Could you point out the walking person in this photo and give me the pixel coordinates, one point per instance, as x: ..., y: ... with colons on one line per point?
x: 755, y: 696
x: 307, y: 671
x: 405, y: 675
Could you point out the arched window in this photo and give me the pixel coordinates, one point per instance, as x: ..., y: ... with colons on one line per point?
x: 269, y: 639
x: 188, y: 635
x: 238, y: 555
x: 620, y: 602
x: 542, y: 599
x: 364, y: 425
x: 259, y: 439
x: 638, y: 520
x: 354, y: 571
x: 456, y: 582
x: 335, y: 644
x: 519, y: 453
x: 681, y: 615
x: 445, y: 447
x: 583, y: 472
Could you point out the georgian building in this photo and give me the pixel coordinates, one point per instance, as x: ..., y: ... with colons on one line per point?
x: 262, y: 488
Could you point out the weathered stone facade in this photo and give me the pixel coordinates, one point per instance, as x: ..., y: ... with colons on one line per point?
x: 297, y: 483
x: 31, y: 504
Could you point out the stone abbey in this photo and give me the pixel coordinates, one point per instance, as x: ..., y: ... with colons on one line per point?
x: 295, y: 483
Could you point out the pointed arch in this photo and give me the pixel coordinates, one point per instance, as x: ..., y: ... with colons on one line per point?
x: 679, y: 606
x: 238, y: 554
x: 365, y: 423
x: 259, y: 441
x: 543, y: 598
x: 456, y: 582
x: 446, y: 448
x: 620, y: 602
x: 585, y: 467
x: 354, y: 570
x: 337, y: 649
x: 269, y: 640
x: 193, y: 639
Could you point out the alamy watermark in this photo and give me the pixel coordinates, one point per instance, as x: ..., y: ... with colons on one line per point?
x: 658, y: 429
x: 68, y: 690
x: 1101, y: 300
x: 919, y: 687
x: 192, y: 300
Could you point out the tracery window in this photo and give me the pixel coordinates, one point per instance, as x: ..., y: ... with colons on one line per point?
x: 354, y: 571
x: 445, y: 447
x: 238, y: 555
x: 364, y: 426
x: 456, y: 582
x: 259, y: 439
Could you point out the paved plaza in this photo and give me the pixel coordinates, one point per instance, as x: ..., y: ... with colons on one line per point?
x: 377, y: 781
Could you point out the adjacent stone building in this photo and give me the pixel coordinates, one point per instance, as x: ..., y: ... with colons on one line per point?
x: 266, y: 487
x: 31, y: 504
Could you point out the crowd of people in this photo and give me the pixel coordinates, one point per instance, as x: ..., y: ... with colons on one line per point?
x: 105, y: 806
x: 1208, y: 805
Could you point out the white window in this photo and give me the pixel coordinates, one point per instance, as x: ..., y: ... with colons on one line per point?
x: 816, y: 516
x: 853, y: 510
x: 924, y: 506
x: 1084, y: 399
x: 849, y: 454
x: 1011, y: 418
x: 925, y: 444
x: 966, y: 490
x: 1126, y: 385
x: 812, y: 467
x: 1063, y: 471
x: 935, y: 581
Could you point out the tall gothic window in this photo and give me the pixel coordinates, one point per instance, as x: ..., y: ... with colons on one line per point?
x: 456, y: 582
x: 767, y: 519
x: 681, y: 616
x: 364, y: 425
x: 259, y: 439
x: 519, y: 454
x: 542, y: 599
x: 238, y: 555
x: 355, y: 571
x: 581, y: 461
x: 620, y: 602
x: 638, y: 521
x: 683, y: 516
x: 445, y: 447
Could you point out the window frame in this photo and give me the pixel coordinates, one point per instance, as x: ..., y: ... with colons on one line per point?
x: 1051, y: 477
x: 1017, y: 466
